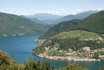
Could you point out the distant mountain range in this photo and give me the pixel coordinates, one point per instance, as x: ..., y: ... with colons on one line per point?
x: 17, y: 25
x: 77, y: 16
x: 45, y: 18
x: 93, y: 23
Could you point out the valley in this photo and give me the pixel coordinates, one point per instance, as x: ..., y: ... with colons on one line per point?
x: 73, y: 41
x: 51, y: 34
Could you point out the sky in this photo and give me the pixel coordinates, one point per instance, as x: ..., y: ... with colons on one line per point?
x: 57, y: 7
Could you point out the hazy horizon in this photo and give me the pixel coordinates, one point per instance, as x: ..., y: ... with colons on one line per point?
x: 56, y: 7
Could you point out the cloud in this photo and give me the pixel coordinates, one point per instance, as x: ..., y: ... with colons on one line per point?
x: 100, y: 9
x: 61, y: 12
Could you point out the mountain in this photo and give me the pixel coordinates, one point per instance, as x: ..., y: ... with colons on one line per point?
x: 78, y: 44
x: 36, y: 20
x: 81, y: 15
x: 50, y: 21
x: 55, y: 19
x: 78, y: 40
x: 17, y: 25
x: 93, y: 23
x: 44, y: 16
x: 44, y: 22
x: 61, y: 27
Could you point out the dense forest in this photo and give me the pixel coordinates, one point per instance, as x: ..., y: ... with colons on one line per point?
x: 93, y: 23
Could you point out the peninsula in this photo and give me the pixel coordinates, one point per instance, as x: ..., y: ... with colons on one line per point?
x: 77, y: 40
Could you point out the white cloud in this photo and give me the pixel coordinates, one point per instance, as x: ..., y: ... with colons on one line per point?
x: 60, y: 12
x: 100, y: 9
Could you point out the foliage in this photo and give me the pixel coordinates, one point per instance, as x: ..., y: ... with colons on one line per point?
x: 12, y: 24
x: 36, y: 65
x: 38, y: 50
x: 82, y: 56
x: 93, y: 23
x: 101, y: 53
x: 74, y: 67
x: 6, y: 63
x: 100, y: 68
x: 96, y: 56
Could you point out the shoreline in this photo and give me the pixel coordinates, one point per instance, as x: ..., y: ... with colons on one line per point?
x: 66, y: 58
x: 69, y: 58
x: 16, y: 35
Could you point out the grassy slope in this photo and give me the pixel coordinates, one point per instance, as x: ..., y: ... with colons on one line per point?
x: 82, y: 35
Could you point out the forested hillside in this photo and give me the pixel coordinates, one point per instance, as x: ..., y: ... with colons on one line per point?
x: 93, y: 23
x: 61, y: 27
x: 17, y: 25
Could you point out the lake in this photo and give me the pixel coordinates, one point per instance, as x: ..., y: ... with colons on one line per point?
x: 19, y: 48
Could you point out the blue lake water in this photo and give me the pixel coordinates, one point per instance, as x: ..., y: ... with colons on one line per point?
x: 19, y: 48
